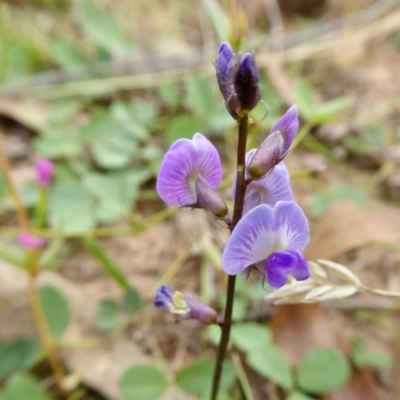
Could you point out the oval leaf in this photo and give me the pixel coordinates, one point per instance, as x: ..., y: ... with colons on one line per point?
x: 197, y: 377
x: 143, y: 382
x: 271, y: 363
x: 250, y: 336
x: 323, y: 370
x: 56, y: 309
x: 24, y: 386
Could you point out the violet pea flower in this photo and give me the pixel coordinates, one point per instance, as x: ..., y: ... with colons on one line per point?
x: 189, y: 175
x: 185, y: 307
x: 270, y: 240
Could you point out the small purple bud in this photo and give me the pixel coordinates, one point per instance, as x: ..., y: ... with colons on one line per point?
x: 44, y: 172
x: 246, y: 81
x: 224, y: 66
x: 208, y: 199
x: 184, y: 306
x: 30, y: 241
x: 266, y: 157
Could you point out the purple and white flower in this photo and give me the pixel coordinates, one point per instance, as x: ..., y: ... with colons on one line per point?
x: 185, y: 307
x: 189, y: 175
x: 270, y: 240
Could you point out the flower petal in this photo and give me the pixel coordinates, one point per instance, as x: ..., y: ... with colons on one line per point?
x: 271, y: 189
x: 163, y: 297
x: 178, y: 164
x: 291, y: 226
x: 278, y: 265
x: 251, y: 241
x: 302, y: 271
x: 208, y: 161
x: 288, y: 125
x: 224, y: 66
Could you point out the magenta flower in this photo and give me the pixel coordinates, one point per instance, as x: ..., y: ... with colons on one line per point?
x: 185, y: 307
x: 30, y: 241
x: 44, y: 172
x: 269, y: 240
x: 189, y: 175
x: 238, y: 80
x: 275, y: 147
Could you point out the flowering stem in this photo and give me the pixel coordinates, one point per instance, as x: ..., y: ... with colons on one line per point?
x: 243, y: 126
x: 37, y: 310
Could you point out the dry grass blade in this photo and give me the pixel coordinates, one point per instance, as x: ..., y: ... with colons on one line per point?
x: 341, y: 272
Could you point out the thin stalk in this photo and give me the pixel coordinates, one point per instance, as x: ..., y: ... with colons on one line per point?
x: 32, y: 256
x: 243, y: 127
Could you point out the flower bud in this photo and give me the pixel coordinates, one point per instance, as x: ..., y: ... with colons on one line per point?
x: 184, y: 306
x: 238, y: 78
x: 44, y: 172
x: 266, y: 157
x: 246, y: 82
x: 30, y: 241
x: 208, y: 199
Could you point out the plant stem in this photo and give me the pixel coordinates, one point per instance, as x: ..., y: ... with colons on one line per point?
x: 37, y: 310
x: 243, y: 126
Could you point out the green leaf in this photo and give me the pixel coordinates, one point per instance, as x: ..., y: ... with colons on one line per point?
x: 66, y: 53
x: 62, y: 142
x: 332, y: 107
x: 304, y: 98
x: 132, y: 300
x: 197, y: 377
x: 169, y: 94
x: 182, y: 126
x: 25, y: 386
x: 250, y: 336
x: 114, y: 150
x: 219, y: 18
x: 298, y: 396
x: 107, y: 316
x: 271, y: 363
x: 323, y: 370
x: 56, y: 309
x: 143, y: 382
x: 122, y: 113
x: 361, y: 357
x: 70, y: 207
x: 108, y: 265
x: 16, y: 355
x: 103, y: 27
x: 200, y: 95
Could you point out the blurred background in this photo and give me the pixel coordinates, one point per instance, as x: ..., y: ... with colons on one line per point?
x: 102, y: 88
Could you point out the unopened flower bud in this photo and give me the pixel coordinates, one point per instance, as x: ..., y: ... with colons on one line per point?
x: 238, y: 78
x: 185, y: 307
x: 246, y: 82
x: 208, y: 199
x: 30, y: 241
x: 266, y: 157
x: 44, y: 172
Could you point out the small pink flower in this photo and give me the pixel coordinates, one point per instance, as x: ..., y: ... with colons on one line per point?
x: 44, y: 172
x: 30, y: 241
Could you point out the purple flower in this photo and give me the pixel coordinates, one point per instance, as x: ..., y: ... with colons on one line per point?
x: 184, y: 306
x: 270, y: 240
x: 275, y: 147
x: 238, y: 80
x: 44, y: 172
x: 30, y: 241
x: 269, y: 190
x: 189, y: 175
